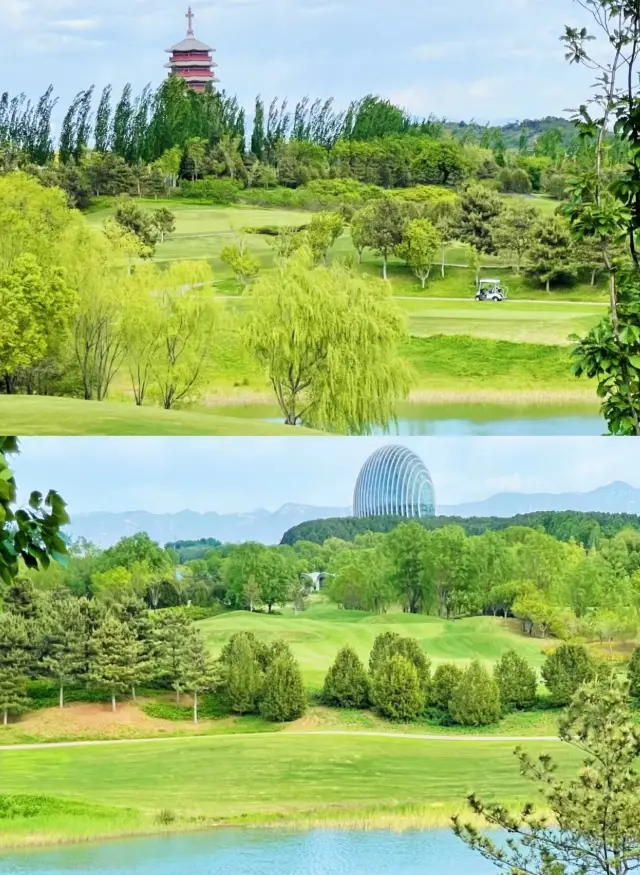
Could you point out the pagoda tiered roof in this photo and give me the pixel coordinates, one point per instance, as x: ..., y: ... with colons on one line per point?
x: 191, y: 59
x: 190, y: 44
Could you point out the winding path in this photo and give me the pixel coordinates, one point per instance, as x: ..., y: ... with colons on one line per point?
x: 415, y: 736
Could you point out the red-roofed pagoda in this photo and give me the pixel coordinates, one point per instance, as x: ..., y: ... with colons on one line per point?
x: 192, y: 60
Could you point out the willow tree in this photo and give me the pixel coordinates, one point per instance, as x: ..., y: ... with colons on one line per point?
x: 187, y: 317
x: 96, y: 272
x: 329, y: 340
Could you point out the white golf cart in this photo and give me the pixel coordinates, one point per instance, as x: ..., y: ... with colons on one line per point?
x: 490, y: 290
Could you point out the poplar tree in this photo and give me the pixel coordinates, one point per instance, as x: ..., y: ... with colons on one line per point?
x: 197, y: 668
x: 103, y: 120
x: 14, y: 665
x: 114, y: 657
x: 64, y: 643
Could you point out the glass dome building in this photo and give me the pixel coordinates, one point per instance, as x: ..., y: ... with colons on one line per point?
x: 394, y: 482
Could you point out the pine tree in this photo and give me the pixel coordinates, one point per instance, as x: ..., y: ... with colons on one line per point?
x: 588, y: 821
x: 197, y: 668
x: 243, y: 676
x: 396, y: 689
x: 284, y: 697
x: 14, y: 665
x: 346, y: 684
x: 168, y: 635
x: 114, y: 657
x: 446, y: 678
x: 64, y: 643
x: 565, y: 670
x: 551, y: 255
x: 476, y: 698
x: 133, y: 612
x: 516, y: 680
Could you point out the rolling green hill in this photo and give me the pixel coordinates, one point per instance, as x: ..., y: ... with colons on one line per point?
x: 317, y: 634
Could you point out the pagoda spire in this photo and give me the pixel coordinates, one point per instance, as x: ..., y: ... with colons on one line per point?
x: 190, y: 16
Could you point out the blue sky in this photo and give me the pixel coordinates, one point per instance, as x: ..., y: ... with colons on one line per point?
x: 165, y: 475
x: 494, y: 59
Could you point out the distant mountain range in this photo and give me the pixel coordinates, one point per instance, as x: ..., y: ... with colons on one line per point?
x: 614, y: 498
x: 104, y: 529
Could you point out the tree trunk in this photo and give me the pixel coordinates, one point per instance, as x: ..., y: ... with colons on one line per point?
x: 133, y: 692
x: 360, y: 254
x: 113, y: 702
x: 61, y: 697
x: 593, y: 277
x: 178, y: 695
x: 195, y: 708
x: 384, y: 268
x: 548, y: 285
x: 443, y: 258
x: 5, y: 717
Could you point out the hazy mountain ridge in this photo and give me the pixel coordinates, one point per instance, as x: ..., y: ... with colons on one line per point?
x: 104, y: 529
x: 616, y: 497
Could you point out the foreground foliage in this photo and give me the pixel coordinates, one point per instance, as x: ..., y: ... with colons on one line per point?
x: 593, y: 825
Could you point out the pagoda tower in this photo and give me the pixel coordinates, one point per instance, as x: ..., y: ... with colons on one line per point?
x: 192, y: 60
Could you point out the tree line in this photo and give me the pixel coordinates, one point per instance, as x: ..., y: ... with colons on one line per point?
x: 119, y: 648
x: 82, y: 309
x: 114, y: 144
x: 400, y: 684
x: 587, y: 528
x: 555, y: 588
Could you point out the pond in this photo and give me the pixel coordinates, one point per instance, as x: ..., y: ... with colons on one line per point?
x: 259, y: 852
x: 417, y: 420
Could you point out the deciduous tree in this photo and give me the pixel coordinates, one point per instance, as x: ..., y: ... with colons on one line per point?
x: 419, y: 247
x: 329, y: 341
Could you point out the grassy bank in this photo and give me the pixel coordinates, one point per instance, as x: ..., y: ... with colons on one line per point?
x: 259, y: 780
x: 39, y: 415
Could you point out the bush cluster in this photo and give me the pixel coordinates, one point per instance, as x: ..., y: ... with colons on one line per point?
x: 401, y: 686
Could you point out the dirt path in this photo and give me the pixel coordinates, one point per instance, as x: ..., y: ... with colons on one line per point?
x: 415, y: 736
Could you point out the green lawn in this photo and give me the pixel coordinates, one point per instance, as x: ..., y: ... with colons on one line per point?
x: 317, y: 634
x: 539, y: 323
x: 37, y: 415
x: 203, y: 231
x: 252, y: 779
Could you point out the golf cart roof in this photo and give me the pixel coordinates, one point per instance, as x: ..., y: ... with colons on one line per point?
x: 493, y: 282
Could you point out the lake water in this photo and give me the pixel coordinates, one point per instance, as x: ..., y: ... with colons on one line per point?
x: 417, y: 420
x: 259, y: 852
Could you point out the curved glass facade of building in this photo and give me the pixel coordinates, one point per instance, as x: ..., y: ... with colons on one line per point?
x: 394, y: 482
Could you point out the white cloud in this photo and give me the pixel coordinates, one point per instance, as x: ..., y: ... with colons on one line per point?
x: 75, y: 24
